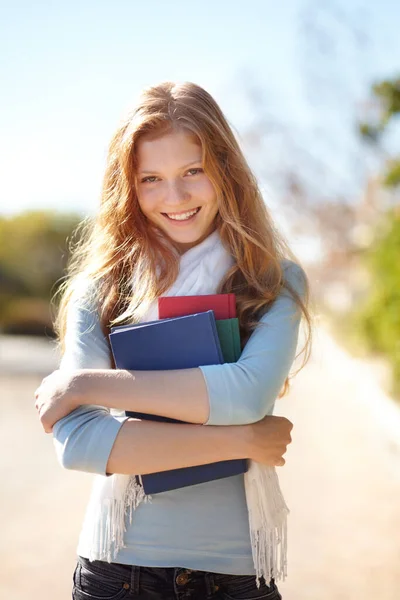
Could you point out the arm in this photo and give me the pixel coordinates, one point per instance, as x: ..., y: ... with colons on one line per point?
x: 244, y: 392
x: 147, y: 447
x: 84, y: 438
x: 229, y: 394
x: 93, y: 440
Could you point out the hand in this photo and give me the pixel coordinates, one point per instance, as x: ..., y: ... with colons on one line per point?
x: 269, y: 439
x: 56, y: 397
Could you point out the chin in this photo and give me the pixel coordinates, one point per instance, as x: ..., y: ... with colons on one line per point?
x: 185, y: 242
x: 191, y: 236
x: 194, y: 239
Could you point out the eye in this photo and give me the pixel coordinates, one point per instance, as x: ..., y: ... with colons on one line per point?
x: 150, y: 179
x: 195, y: 171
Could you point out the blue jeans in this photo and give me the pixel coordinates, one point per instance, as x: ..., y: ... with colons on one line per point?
x: 100, y: 580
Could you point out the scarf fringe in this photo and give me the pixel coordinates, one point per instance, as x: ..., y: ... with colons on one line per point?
x: 267, y: 521
x: 109, y: 519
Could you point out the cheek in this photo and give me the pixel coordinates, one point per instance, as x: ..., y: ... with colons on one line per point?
x: 212, y: 199
x: 206, y: 190
x: 147, y: 202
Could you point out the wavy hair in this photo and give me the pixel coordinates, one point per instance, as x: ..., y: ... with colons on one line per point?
x: 120, y: 240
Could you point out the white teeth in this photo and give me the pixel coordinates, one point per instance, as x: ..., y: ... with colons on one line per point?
x: 183, y: 216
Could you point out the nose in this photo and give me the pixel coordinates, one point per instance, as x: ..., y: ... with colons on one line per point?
x: 176, y: 194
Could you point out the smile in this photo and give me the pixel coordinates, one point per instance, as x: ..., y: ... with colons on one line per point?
x: 185, y: 216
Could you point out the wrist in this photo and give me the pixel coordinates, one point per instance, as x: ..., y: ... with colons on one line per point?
x: 106, y: 387
x: 79, y: 387
x: 239, y: 439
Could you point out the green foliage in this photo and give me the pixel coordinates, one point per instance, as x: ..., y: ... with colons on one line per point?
x: 392, y: 175
x: 378, y: 319
x: 387, y: 94
x: 33, y: 257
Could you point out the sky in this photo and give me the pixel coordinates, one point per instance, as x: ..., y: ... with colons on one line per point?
x: 69, y: 71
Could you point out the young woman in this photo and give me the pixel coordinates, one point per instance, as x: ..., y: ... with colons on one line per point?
x: 180, y: 214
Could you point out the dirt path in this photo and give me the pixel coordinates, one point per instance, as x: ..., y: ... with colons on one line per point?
x: 341, y: 482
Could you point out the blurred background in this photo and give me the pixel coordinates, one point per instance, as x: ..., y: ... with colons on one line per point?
x: 312, y: 90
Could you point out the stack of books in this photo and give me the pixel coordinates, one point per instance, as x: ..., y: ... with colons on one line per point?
x: 192, y: 331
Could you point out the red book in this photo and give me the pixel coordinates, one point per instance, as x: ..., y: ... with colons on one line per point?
x: 223, y: 305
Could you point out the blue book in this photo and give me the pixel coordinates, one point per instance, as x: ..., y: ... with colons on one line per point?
x: 228, y: 335
x: 128, y: 350
x: 177, y: 343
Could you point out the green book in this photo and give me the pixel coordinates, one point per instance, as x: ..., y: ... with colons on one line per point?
x: 229, y: 338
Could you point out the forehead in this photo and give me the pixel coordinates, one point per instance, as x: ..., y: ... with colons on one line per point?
x: 170, y: 148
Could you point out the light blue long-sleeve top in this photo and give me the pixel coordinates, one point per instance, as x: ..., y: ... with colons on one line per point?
x: 203, y: 527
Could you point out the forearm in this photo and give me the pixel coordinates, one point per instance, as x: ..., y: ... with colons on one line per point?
x: 180, y: 394
x: 148, y: 447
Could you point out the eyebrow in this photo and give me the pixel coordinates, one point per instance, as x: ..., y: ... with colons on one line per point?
x: 183, y: 167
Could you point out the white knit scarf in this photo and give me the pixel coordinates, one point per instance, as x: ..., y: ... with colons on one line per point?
x: 201, y: 270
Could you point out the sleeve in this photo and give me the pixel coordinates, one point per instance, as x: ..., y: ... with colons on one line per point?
x: 245, y: 391
x: 84, y: 439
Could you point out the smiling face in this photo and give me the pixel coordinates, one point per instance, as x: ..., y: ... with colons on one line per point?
x: 173, y: 190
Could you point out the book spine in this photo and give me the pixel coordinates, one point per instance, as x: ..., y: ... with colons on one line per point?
x: 231, y: 325
x: 216, y: 337
x: 237, y: 346
x: 160, y: 302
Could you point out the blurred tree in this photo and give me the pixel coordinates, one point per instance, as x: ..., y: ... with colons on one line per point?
x: 33, y: 257
x: 316, y: 165
x: 385, y: 100
x: 322, y: 173
x: 378, y: 319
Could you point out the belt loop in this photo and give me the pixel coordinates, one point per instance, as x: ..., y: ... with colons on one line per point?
x: 135, y: 579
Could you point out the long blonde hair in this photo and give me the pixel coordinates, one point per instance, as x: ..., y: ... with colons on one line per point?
x: 120, y: 239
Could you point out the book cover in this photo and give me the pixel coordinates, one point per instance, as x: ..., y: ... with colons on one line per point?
x: 147, y: 349
x: 223, y: 305
x: 228, y: 335
x: 182, y: 342
x: 179, y: 343
x: 229, y: 338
